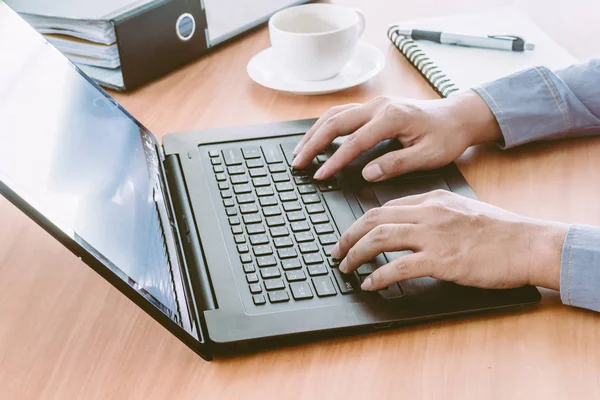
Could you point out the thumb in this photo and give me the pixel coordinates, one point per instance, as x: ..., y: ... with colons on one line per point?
x: 395, y: 163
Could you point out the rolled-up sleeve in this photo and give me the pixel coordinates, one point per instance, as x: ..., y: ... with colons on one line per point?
x: 538, y: 104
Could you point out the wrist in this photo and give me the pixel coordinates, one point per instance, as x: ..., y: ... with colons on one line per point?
x: 546, y: 254
x: 475, y: 118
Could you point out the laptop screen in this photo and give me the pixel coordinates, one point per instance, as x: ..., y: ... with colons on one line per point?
x: 77, y: 158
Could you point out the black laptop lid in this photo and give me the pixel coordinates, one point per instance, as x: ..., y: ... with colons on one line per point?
x: 84, y: 169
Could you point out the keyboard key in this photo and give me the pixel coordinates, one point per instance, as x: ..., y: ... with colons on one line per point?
x: 348, y: 283
x: 314, y: 258
x: 270, y: 211
x: 285, y: 241
x: 270, y: 272
x: 255, y: 228
x: 304, y: 237
x: 213, y: 153
x: 292, y: 206
x: 287, y: 253
x: 255, y: 288
x: 215, y: 161
x: 282, y: 177
x: 275, y: 168
x: 272, y: 154
x: 294, y: 276
x: 291, y: 264
x: 226, y: 194
x: 307, y: 189
x: 300, y: 226
x: 324, y: 286
x: 237, y: 170
x: 296, y: 216
x: 301, y: 290
x: 234, y: 220
x: 246, y: 258
x: 333, y: 263
x: 249, y: 208
x: 243, y: 248
x: 366, y: 269
x: 279, y: 231
x: 287, y: 148
x: 317, y: 269
x: 264, y: 250
x: 232, y: 157
x: 249, y: 268
x: 256, y: 240
x: 221, y: 177
x: 237, y: 230
x: 223, y: 186
x: 323, y: 228
x: 315, y: 208
x: 327, y: 250
x: 259, y: 299
x: 237, y: 179
x: 311, y: 198
x: 275, y: 221
x: 288, y: 196
x: 278, y: 296
x: 245, y: 198
x: 257, y: 172
x: 328, y: 186
x: 251, y: 152
x: 217, y: 169
x: 231, y: 212
x: 252, y: 278
x: 274, y: 284
x: 252, y: 219
x: 264, y: 191
x: 260, y: 182
x: 319, y: 218
x: 284, y: 187
x: 310, y: 247
x: 228, y: 202
x: 268, y: 201
x: 239, y: 239
x: 302, y: 180
x: 241, y: 189
x: 321, y: 158
x: 255, y: 163
x: 266, y: 261
x: 328, y: 239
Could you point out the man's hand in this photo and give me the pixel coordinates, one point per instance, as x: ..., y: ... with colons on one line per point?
x: 455, y: 239
x: 433, y: 133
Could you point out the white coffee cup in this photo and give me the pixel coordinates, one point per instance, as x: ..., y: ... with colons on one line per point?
x: 315, y: 41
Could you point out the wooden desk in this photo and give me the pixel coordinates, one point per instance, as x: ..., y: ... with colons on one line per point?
x: 66, y: 333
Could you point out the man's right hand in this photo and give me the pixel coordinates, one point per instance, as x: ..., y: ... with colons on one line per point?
x: 433, y: 133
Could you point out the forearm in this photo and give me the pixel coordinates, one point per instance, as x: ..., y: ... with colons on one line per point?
x: 538, y: 104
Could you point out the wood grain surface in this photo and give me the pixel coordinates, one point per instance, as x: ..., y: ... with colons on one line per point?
x: 65, y: 333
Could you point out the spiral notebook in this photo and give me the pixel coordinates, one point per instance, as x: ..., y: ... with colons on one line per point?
x: 452, y: 69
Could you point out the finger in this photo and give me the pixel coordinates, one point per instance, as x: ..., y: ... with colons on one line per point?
x: 371, y: 219
x: 419, y: 199
x: 395, y: 163
x: 387, y: 237
x: 415, y: 265
x: 328, y: 114
x: 363, y: 139
x: 340, y: 124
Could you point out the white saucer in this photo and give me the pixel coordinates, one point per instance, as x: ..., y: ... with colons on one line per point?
x: 265, y: 70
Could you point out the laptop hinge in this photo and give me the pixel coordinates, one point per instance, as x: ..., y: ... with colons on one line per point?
x: 188, y: 234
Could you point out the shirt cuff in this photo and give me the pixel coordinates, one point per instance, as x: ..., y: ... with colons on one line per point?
x: 580, y: 268
x: 527, y: 105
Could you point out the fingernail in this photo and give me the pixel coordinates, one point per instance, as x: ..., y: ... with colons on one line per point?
x: 295, y: 162
x: 372, y: 172
x: 366, y: 285
x: 343, y: 266
x: 319, y: 174
x: 297, y: 149
x: 335, y: 251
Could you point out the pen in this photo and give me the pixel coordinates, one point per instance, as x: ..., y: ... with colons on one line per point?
x: 499, y: 42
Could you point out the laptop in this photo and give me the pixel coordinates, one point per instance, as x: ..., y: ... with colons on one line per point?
x: 212, y: 233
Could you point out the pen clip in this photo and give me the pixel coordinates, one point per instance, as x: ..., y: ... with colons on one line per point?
x: 508, y: 37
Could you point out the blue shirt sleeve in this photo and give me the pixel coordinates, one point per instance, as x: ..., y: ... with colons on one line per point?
x: 538, y: 104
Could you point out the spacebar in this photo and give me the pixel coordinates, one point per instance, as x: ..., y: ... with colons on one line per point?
x: 339, y: 209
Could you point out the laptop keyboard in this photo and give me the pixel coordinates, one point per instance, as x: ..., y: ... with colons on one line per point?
x: 281, y: 225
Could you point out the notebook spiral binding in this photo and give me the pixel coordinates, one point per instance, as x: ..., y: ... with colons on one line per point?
x: 426, y: 67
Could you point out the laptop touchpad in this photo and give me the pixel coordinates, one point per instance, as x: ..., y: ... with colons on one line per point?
x: 401, y: 187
